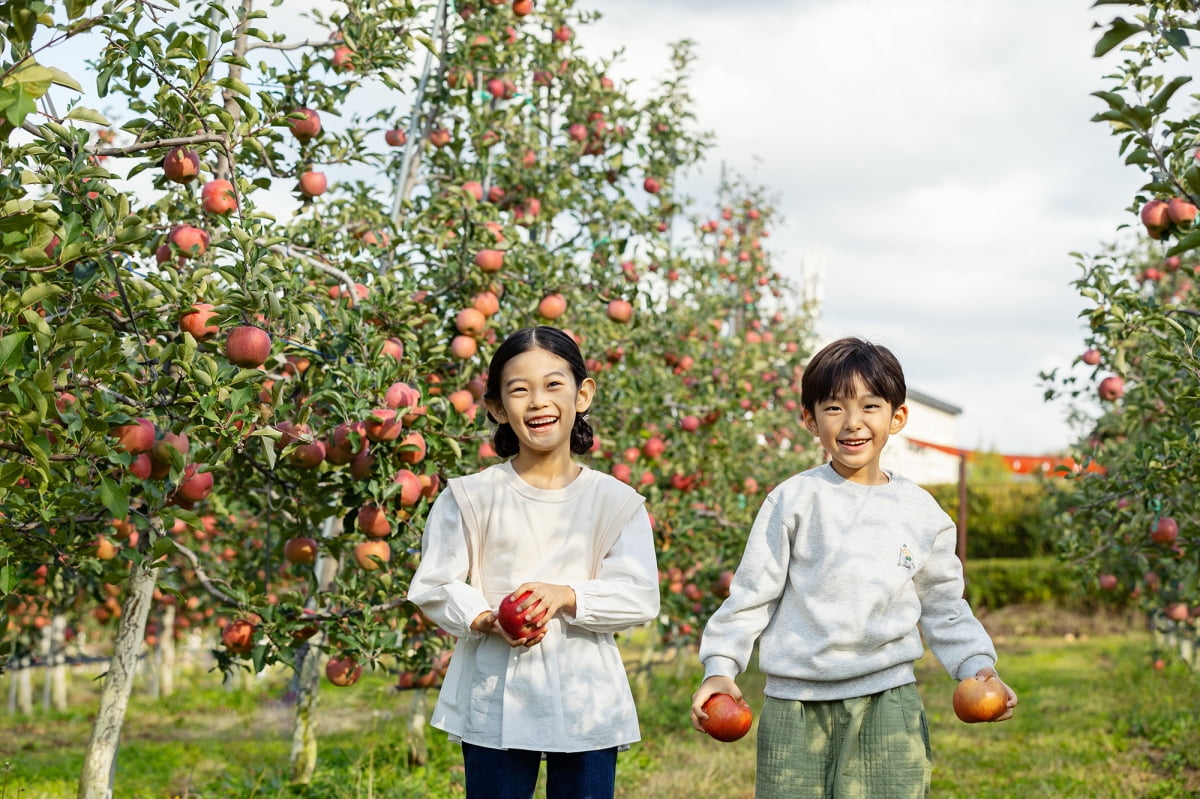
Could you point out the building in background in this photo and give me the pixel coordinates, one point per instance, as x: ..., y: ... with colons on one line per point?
x: 929, y: 420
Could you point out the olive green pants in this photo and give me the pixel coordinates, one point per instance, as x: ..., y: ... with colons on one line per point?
x: 868, y: 747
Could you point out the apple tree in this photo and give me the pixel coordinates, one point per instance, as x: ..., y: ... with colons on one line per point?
x: 1134, y: 528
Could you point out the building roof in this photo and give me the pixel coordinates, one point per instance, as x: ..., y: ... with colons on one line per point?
x: 933, y: 402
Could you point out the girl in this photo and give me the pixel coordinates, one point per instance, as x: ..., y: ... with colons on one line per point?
x: 579, y: 542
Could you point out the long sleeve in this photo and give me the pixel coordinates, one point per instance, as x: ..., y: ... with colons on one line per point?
x: 625, y: 590
x: 758, y: 584
x: 439, y: 587
x: 954, y: 635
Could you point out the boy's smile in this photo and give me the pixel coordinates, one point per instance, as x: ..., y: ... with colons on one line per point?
x: 854, y: 430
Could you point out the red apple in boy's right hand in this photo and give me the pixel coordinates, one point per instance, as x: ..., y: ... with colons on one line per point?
x: 728, y: 718
x: 513, y: 621
x: 978, y: 700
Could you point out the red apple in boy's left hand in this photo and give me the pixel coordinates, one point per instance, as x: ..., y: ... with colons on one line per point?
x: 513, y: 621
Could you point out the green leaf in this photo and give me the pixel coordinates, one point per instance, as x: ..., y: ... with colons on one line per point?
x: 234, y: 85
x: 38, y: 293
x: 1178, y: 39
x: 7, y: 580
x: 12, y: 348
x: 115, y: 497
x: 1186, y: 243
x: 1117, y: 33
x: 1159, y: 102
x: 85, y: 114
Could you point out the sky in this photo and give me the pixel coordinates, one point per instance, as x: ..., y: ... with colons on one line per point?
x: 935, y: 165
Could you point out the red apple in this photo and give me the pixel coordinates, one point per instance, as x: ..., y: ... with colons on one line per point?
x: 384, y: 424
x: 654, y: 447
x: 365, y: 553
x: 194, y: 485
x: 373, y: 521
x: 413, y: 448
x: 195, y: 321
x: 1111, y: 388
x: 396, y: 137
x: 515, y: 622
x: 410, y: 487
x: 300, y: 550
x: 1181, y: 211
x: 1091, y: 357
x: 489, y: 260
x: 728, y: 719
x: 470, y: 321
x: 342, y: 59
x: 343, y: 671
x: 304, y: 123
x: 1108, y: 582
x: 1166, y: 531
x: 248, y: 346
x: 522, y: 8
x: 978, y: 700
x: 1155, y: 218
x: 620, y: 311
x: 690, y: 423
x: 312, y: 184
x: 238, y: 636
x: 217, y: 197
x: 473, y: 188
x: 1177, y: 611
x: 190, y: 241
x: 463, y: 347
x: 181, y: 165
x: 135, y: 438
x: 651, y: 185
x: 552, y: 306
x: 439, y: 138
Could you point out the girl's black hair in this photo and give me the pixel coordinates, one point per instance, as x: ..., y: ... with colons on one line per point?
x: 556, y: 342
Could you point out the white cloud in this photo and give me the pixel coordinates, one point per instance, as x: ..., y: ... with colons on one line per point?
x: 936, y: 156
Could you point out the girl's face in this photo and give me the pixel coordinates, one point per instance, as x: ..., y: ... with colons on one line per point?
x: 539, y: 398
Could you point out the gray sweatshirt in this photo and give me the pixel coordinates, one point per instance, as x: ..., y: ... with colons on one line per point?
x: 838, y: 582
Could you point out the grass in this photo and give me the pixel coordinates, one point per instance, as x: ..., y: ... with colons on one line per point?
x: 1096, y: 720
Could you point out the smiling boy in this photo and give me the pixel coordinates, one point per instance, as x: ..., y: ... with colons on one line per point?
x: 846, y: 567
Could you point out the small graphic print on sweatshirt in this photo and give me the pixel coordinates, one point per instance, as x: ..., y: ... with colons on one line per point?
x: 906, y: 558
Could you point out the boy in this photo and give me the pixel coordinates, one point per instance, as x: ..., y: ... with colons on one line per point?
x: 844, y: 569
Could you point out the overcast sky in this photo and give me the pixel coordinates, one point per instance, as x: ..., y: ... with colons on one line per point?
x: 934, y: 165
x: 934, y: 162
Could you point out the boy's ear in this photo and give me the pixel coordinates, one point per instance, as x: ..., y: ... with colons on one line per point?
x: 809, y: 420
x: 899, y: 419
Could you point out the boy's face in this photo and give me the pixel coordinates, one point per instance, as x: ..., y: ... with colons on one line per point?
x: 853, y: 431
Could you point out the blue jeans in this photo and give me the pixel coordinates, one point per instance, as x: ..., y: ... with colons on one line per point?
x: 513, y: 773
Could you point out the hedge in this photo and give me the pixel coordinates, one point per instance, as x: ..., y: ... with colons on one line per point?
x: 1004, y: 519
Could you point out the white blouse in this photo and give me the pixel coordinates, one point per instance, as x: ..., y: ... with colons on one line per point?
x: 493, y: 531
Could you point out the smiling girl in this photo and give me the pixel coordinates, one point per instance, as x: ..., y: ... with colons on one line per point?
x: 579, y: 542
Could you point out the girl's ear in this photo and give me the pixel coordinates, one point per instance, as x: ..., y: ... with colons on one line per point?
x: 585, y: 395
x: 496, y: 409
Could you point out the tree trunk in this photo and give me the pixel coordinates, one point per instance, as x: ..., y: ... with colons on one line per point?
x: 418, y: 746
x: 54, y: 689
x: 303, y: 760
x: 99, y: 762
x: 166, y: 651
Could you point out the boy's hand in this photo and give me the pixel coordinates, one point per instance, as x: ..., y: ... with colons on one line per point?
x: 988, y: 673
x: 713, y: 685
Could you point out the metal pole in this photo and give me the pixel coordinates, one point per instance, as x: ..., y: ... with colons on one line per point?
x: 961, y: 548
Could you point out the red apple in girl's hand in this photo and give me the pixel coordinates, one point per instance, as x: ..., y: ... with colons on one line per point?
x: 513, y: 621
x: 728, y: 718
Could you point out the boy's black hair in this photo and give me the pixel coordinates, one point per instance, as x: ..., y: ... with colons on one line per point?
x: 831, y: 373
x: 556, y: 342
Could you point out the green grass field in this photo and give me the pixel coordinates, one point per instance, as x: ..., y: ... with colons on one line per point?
x: 1096, y: 720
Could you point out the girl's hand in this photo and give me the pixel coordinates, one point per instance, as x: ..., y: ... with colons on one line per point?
x: 547, y: 597
x: 988, y: 673
x: 713, y: 685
